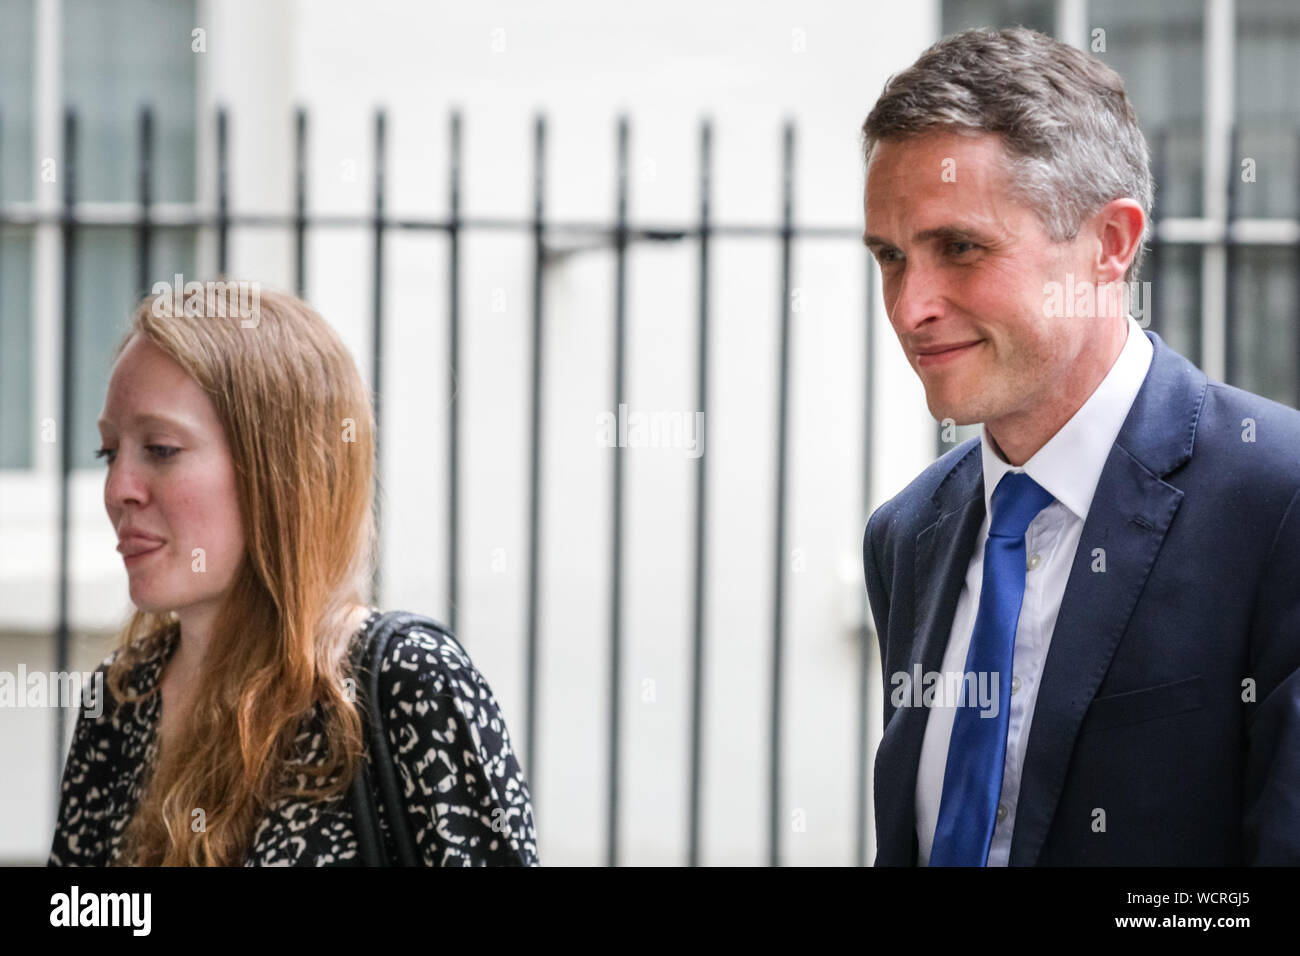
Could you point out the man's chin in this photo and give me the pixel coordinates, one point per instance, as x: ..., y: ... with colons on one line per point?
x: 944, y: 412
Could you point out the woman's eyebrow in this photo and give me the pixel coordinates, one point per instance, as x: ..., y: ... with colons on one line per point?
x: 146, y: 420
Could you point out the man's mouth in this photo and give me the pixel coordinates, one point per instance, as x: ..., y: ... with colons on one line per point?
x: 942, y: 354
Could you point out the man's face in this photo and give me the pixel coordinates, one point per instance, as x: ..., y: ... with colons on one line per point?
x: 170, y: 476
x: 964, y: 265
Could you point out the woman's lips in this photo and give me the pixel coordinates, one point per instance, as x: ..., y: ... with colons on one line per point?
x: 136, y: 546
x: 948, y: 355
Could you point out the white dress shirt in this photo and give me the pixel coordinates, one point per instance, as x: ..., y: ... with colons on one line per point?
x: 1068, y: 467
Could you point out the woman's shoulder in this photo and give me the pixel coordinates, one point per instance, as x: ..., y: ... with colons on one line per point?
x: 468, y: 799
x: 424, y: 659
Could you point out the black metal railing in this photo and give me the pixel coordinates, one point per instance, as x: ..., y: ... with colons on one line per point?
x: 617, y: 236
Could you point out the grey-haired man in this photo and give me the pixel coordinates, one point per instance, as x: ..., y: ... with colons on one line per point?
x: 1117, y: 555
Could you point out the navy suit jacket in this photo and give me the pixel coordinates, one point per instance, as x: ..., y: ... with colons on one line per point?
x: 1170, y: 696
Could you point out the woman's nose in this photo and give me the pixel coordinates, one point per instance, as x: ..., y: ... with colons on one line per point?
x: 124, y: 483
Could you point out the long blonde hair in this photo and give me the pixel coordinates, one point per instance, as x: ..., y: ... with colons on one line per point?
x: 300, y: 428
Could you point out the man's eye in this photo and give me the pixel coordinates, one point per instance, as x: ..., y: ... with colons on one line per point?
x: 886, y: 256
x: 953, y: 247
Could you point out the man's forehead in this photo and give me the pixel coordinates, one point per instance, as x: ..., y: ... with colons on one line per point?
x: 921, y: 209
x: 945, y: 173
x: 938, y: 153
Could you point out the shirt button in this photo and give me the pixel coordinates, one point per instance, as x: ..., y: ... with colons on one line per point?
x: 1002, y: 812
x: 1034, y: 561
x: 1015, y: 683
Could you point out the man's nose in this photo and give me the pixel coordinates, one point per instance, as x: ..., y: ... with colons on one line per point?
x: 917, y: 298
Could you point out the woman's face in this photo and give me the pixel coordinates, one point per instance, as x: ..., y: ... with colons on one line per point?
x: 170, y: 487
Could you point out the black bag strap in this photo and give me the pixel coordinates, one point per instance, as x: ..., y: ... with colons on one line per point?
x: 370, y: 843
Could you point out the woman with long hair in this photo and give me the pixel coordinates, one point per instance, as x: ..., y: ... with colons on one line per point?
x: 240, y: 451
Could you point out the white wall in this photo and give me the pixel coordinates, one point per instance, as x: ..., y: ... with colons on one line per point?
x: 582, y: 63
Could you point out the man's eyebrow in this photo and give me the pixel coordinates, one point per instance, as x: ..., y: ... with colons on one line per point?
x: 949, y: 233
x: 145, y: 419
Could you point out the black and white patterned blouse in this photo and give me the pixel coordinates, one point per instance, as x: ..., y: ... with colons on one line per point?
x: 466, y: 798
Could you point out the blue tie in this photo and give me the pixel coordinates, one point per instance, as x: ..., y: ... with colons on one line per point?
x: 972, y: 780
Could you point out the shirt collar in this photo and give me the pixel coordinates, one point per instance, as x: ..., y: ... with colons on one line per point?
x: 1069, y: 466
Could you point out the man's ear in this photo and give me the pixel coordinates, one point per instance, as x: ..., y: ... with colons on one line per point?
x: 1119, y: 226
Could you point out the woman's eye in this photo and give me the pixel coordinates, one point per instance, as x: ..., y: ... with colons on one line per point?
x: 162, y: 452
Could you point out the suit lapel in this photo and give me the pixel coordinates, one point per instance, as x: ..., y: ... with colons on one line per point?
x: 943, y: 551
x: 1130, y: 514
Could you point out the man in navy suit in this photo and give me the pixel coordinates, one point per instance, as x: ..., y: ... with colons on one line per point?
x: 1100, y: 663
